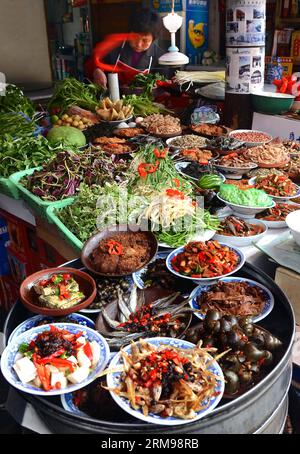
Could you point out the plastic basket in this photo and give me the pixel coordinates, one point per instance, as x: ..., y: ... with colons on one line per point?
x: 38, y: 205
x: 8, y: 188
x: 64, y: 232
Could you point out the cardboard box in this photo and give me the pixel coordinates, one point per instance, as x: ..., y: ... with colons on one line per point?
x: 289, y: 282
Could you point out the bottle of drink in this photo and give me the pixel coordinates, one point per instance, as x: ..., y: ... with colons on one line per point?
x: 294, y: 8
x: 285, y: 8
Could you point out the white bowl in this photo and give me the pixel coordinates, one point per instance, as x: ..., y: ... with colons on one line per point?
x: 178, y: 148
x: 278, y: 199
x: 243, y: 211
x: 234, y: 173
x: 240, y: 241
x: 293, y: 223
x: 251, y: 144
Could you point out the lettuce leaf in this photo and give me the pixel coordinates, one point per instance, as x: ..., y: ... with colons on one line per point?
x: 249, y: 197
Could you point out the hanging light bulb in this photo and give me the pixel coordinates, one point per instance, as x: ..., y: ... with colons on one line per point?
x: 173, y: 57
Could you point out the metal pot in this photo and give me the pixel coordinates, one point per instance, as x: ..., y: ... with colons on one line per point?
x: 263, y: 409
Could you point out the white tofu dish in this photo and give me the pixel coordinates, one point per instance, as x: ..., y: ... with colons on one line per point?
x: 56, y: 359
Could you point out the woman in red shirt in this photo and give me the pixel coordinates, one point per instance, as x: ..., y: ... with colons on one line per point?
x: 139, y: 53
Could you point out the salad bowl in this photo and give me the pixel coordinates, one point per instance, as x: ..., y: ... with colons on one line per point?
x: 12, y: 353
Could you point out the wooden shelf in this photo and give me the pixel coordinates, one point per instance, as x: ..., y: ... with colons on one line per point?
x: 290, y: 20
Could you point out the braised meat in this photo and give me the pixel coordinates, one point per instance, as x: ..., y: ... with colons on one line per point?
x: 122, y: 254
x: 233, y: 298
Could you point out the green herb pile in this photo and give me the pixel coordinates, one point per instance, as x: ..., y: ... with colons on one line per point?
x: 146, y: 81
x: 24, y: 153
x: 15, y: 101
x: 72, y: 92
x: 143, y: 105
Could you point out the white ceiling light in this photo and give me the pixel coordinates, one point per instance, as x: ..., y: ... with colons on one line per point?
x: 173, y: 57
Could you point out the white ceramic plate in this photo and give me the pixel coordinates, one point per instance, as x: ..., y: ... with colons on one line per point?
x: 251, y: 144
x: 242, y: 241
x: 252, y: 182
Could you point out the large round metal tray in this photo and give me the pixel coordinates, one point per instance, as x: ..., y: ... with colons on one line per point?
x: 262, y: 409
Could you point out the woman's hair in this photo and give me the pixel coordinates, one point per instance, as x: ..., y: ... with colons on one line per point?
x: 145, y: 21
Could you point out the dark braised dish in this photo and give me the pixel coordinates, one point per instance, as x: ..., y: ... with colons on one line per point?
x: 121, y: 254
x: 249, y: 351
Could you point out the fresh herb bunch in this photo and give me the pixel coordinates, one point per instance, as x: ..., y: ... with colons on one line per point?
x: 97, y: 207
x: 62, y: 176
x: 144, y: 106
x: 15, y: 101
x: 24, y: 153
x: 16, y: 125
x: 146, y: 81
x: 202, y: 220
x: 72, y: 92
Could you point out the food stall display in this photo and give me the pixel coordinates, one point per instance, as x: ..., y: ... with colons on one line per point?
x: 158, y: 258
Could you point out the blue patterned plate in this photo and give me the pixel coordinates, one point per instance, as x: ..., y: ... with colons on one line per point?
x: 138, y: 275
x: 269, y: 299
x: 34, y: 321
x: 67, y: 399
x: 10, y: 352
x: 113, y: 381
x: 241, y: 262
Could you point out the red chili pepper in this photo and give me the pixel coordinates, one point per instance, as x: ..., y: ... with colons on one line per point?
x: 88, y: 351
x: 43, y: 373
x: 142, y: 171
x: 59, y: 362
x: 177, y: 182
x: 66, y: 276
x: 49, y: 358
x: 114, y: 247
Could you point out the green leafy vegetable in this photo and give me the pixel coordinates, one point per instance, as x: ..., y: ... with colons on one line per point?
x: 24, y: 153
x: 72, y: 92
x: 146, y: 81
x: 249, y: 197
x: 15, y: 101
x: 23, y: 347
x: 144, y: 106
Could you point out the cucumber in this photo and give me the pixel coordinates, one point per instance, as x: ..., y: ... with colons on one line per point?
x: 209, y: 182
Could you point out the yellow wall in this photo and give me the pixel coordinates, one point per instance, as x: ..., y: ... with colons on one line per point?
x: 24, y: 56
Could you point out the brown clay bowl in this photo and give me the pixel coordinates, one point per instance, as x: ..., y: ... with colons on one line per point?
x: 30, y: 300
x: 111, y: 232
x: 151, y: 295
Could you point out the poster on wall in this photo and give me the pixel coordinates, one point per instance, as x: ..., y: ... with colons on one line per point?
x: 245, y: 69
x: 164, y: 6
x: 197, y: 16
x: 245, y: 23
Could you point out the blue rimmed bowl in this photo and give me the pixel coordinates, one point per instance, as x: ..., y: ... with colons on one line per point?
x: 269, y: 299
x: 12, y: 349
x: 241, y: 262
x: 113, y: 381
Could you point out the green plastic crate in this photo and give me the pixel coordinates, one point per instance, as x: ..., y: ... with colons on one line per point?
x: 38, y: 205
x: 8, y: 188
x: 65, y: 233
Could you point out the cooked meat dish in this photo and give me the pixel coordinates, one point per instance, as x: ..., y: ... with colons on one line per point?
x: 123, y: 253
x: 233, y: 298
